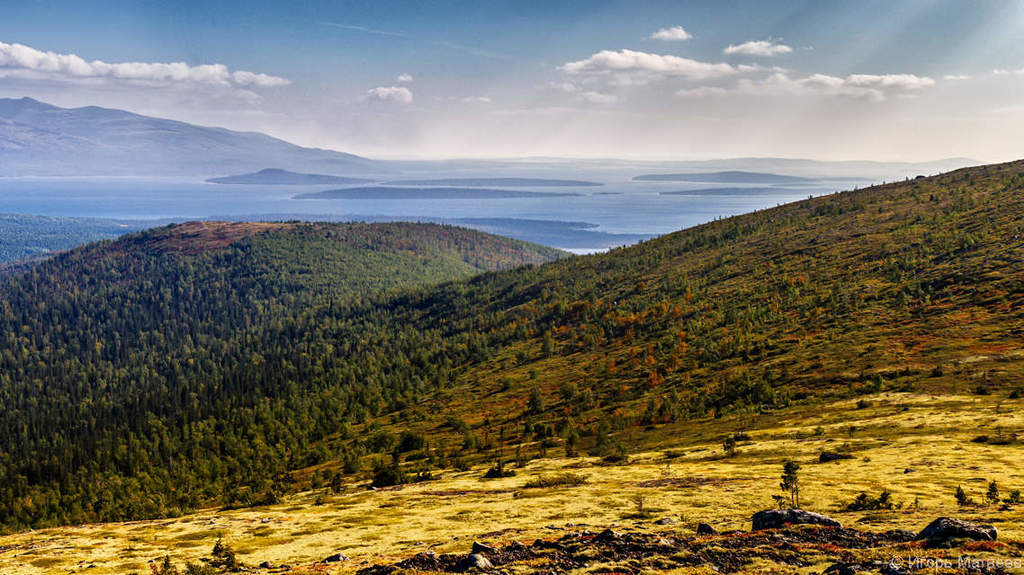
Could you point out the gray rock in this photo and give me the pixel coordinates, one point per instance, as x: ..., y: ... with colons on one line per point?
x: 336, y: 558
x: 777, y: 518
x: 481, y: 548
x: 665, y: 521
x: 945, y: 528
x: 474, y: 561
x: 705, y: 529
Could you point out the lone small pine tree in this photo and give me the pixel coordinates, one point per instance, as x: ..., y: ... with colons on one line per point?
x: 791, y: 482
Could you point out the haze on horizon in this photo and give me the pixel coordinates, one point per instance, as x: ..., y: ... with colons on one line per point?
x: 907, y: 81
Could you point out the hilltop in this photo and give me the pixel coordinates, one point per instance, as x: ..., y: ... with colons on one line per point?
x: 199, y: 368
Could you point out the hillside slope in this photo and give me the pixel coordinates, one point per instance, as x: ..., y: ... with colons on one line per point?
x: 224, y: 377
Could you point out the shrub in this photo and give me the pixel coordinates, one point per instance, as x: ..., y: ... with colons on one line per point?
x: 497, y: 471
x: 411, y: 441
x: 992, y: 495
x: 962, y: 499
x: 729, y: 445
x: 386, y: 475
x: 865, y: 502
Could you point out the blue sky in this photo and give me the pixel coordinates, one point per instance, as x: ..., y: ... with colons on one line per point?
x: 871, y: 79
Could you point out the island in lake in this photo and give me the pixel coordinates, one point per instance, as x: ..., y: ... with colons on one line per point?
x: 445, y: 193
x: 500, y: 182
x: 748, y: 191
x: 277, y: 177
x: 727, y: 177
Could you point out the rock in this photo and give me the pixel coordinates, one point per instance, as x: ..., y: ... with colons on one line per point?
x: 665, y: 521
x: 776, y: 518
x: 264, y: 565
x: 515, y: 547
x: 479, y: 548
x: 474, y: 561
x: 608, y: 535
x: 542, y: 544
x: 336, y: 558
x: 945, y: 528
x: 909, y: 470
x: 705, y: 529
x: 827, y: 456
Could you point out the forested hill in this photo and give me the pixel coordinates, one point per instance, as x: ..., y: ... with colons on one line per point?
x: 184, y: 366
x: 151, y: 373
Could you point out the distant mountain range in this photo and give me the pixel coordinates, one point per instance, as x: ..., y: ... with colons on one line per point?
x: 37, y: 139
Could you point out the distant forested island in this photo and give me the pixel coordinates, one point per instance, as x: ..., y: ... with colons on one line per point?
x: 443, y: 193
x: 733, y: 191
x: 726, y: 177
x: 277, y: 177
x: 503, y: 182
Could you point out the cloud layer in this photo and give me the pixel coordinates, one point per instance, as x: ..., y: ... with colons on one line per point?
x: 18, y: 58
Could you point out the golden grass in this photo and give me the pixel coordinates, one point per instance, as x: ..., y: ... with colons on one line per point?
x: 927, y: 434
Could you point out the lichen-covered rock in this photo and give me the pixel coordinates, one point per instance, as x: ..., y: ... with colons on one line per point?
x: 474, y: 561
x: 480, y: 548
x: 778, y: 518
x: 945, y: 528
x: 705, y: 529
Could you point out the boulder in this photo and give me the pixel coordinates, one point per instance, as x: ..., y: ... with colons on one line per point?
x: 336, y: 558
x: 665, y: 521
x: 608, y: 536
x: 827, y: 456
x: 480, y: 548
x: 474, y: 561
x: 945, y: 528
x: 777, y: 518
x: 705, y: 529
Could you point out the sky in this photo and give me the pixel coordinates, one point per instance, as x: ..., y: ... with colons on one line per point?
x: 865, y: 79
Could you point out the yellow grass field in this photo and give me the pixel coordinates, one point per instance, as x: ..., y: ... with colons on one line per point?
x: 917, y: 446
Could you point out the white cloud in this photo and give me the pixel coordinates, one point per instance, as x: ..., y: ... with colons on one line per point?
x: 630, y: 61
x: 758, y: 48
x: 673, y: 34
x: 404, y: 79
x: 599, y: 98
x: 1005, y: 72
x: 956, y: 77
x: 875, y: 87
x: 398, y: 94
x: 477, y: 100
x: 18, y: 57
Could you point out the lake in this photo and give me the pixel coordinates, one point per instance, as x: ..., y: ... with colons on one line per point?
x: 632, y: 208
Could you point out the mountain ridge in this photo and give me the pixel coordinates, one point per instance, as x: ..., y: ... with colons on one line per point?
x: 36, y: 138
